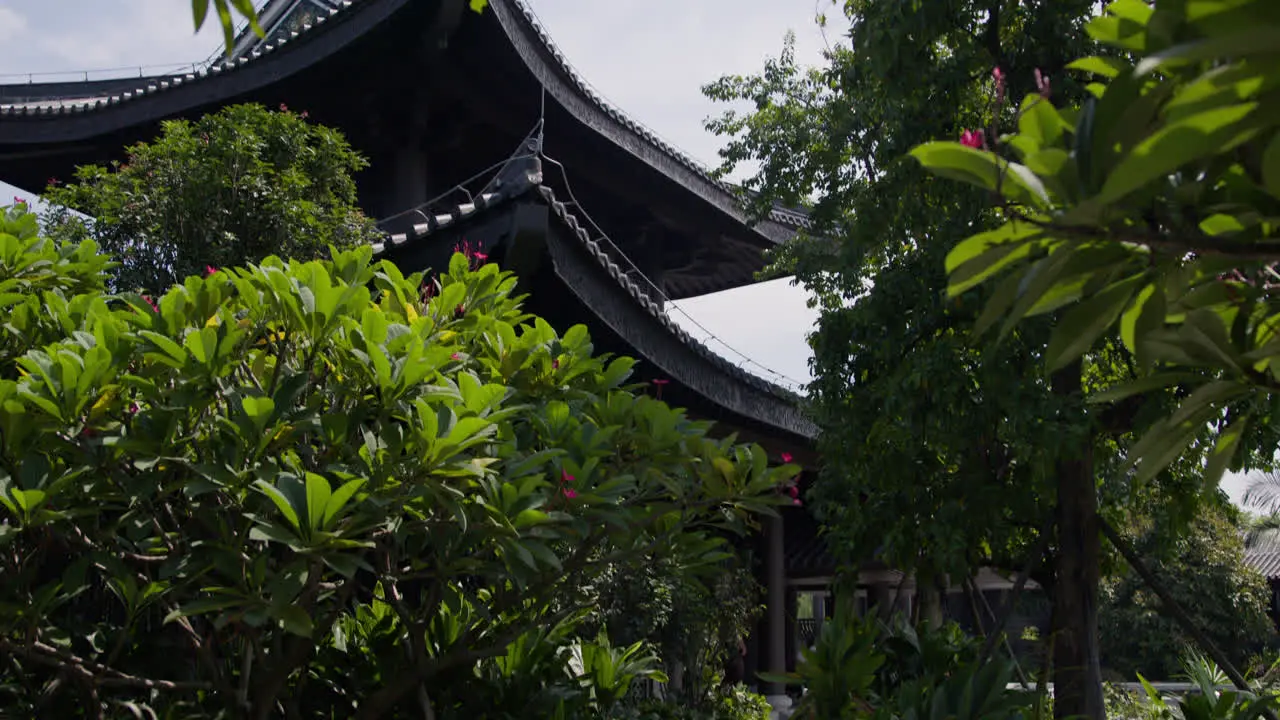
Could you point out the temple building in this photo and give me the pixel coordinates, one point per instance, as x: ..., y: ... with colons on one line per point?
x: 476, y: 127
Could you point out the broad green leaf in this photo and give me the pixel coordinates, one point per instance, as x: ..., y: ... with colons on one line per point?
x: 259, y: 409
x: 1106, y: 67
x: 204, y: 606
x: 1171, y: 147
x: 999, y: 303
x: 199, y: 12
x: 983, y: 169
x: 958, y: 162
x: 1040, y: 121
x: 1165, y: 442
x: 1212, y: 394
x: 1129, y: 320
x: 338, y: 501
x: 1243, y: 43
x: 1271, y: 166
x: 281, y: 502
x: 1224, y: 451
x: 979, y: 257
x: 1143, y: 385
x: 318, y: 494
x: 295, y: 620
x: 1081, y: 326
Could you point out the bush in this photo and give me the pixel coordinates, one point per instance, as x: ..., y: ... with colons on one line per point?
x: 1203, y: 568
x: 233, y: 187
x: 297, y: 489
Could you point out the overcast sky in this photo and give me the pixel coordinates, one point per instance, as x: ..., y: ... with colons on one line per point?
x: 649, y: 57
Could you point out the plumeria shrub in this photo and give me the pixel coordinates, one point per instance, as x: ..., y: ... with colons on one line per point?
x: 295, y: 489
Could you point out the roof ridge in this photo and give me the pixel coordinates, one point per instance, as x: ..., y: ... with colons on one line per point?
x: 158, y: 83
x: 784, y: 216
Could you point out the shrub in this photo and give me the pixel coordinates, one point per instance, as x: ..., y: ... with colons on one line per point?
x: 232, y: 187
x: 297, y: 489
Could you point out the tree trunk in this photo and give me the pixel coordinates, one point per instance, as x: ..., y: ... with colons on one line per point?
x: 930, y: 598
x: 1077, y: 670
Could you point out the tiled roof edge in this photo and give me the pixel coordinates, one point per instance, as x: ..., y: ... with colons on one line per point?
x: 781, y: 216
x: 161, y: 83
x: 533, y: 183
x: 640, y: 296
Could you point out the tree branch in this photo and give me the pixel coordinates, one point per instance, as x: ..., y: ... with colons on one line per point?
x: 1174, y: 608
x: 101, y: 675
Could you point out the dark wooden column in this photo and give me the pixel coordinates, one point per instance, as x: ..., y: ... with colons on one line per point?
x: 776, y: 611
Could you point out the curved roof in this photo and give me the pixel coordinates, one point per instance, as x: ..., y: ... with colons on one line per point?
x: 734, y: 389
x: 66, y: 111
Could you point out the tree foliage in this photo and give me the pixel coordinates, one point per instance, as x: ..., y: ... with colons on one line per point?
x: 1203, y: 567
x: 1148, y: 210
x: 298, y: 487
x: 234, y: 186
x: 947, y: 445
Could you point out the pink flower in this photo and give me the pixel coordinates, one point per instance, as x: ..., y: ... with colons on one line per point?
x: 210, y: 270
x: 998, y: 75
x: 570, y: 493
x: 786, y: 457
x: 456, y: 356
x: 796, y: 502
x: 793, y: 491
x: 555, y: 363
x: 565, y: 477
x: 1042, y: 83
x: 151, y: 302
x: 133, y: 408
x: 970, y: 138
x: 19, y: 201
x: 284, y: 108
x: 304, y: 115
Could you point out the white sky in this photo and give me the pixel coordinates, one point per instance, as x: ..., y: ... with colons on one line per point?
x: 648, y: 57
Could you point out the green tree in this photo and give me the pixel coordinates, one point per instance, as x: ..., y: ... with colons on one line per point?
x: 958, y: 453
x: 1203, y: 567
x: 1149, y: 209
x: 299, y: 486
x: 233, y: 187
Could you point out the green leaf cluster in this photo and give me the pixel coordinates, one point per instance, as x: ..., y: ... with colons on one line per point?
x: 1148, y: 212
x: 298, y: 484
x: 938, y: 451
